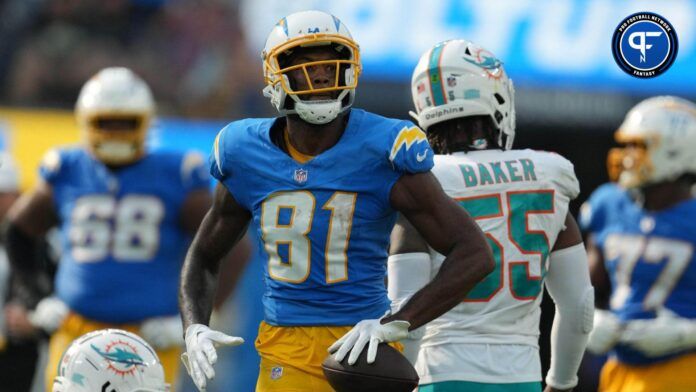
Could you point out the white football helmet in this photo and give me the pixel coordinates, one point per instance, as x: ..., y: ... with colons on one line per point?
x: 307, y: 29
x: 110, y: 360
x: 115, y: 93
x: 458, y: 78
x: 661, y: 137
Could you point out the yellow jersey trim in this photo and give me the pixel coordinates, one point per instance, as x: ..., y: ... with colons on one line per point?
x: 296, y: 155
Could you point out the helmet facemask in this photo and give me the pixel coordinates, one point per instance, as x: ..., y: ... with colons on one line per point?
x: 286, y: 78
x: 342, y: 76
x: 116, y: 139
x: 630, y: 165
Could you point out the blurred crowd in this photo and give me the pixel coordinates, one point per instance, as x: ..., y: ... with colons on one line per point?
x: 191, y: 52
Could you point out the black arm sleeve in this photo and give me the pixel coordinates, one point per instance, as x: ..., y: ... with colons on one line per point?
x: 26, y: 254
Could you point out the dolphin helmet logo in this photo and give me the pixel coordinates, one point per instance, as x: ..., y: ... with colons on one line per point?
x: 121, y: 356
x: 486, y: 60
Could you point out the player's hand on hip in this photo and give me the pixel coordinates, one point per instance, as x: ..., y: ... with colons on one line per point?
x: 200, y: 355
x: 665, y: 334
x: 370, y: 332
x: 606, y: 332
x: 162, y: 332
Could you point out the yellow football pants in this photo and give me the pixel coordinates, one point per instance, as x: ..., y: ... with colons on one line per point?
x: 291, y: 357
x: 75, y: 326
x: 676, y: 375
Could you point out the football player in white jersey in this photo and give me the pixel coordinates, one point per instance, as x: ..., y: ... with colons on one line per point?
x: 465, y: 102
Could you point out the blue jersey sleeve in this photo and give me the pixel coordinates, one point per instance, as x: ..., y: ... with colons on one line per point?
x: 52, y: 166
x: 235, y: 146
x: 217, y: 156
x: 194, y: 175
x: 410, y: 151
x: 49, y: 168
x: 593, y: 213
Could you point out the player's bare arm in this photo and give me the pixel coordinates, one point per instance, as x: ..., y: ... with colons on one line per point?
x: 31, y: 216
x: 570, y: 236
x: 29, y: 219
x: 231, y: 270
x: 598, y: 274
x: 34, y: 213
x: 222, y: 227
x: 448, y: 229
x: 606, y: 330
x: 406, y: 239
x: 193, y: 210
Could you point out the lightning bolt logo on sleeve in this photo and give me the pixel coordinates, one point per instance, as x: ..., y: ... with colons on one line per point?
x: 406, y: 138
x: 216, y: 151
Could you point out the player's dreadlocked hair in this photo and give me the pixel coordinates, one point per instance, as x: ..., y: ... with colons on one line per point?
x: 463, y: 134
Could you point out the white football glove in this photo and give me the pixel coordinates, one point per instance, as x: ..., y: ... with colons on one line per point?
x: 49, y: 314
x: 162, y: 332
x: 666, y: 334
x: 200, y: 355
x: 368, y: 331
x: 606, y: 332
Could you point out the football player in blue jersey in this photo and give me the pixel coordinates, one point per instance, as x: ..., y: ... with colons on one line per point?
x: 126, y: 216
x: 322, y: 186
x: 642, y: 240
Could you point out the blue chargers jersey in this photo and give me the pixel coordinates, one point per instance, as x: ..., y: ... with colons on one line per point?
x: 121, y: 237
x: 324, y: 225
x: 649, y: 256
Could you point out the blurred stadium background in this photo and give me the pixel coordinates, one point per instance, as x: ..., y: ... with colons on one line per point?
x: 202, y: 60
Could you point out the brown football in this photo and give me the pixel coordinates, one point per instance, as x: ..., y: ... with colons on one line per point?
x: 391, y: 372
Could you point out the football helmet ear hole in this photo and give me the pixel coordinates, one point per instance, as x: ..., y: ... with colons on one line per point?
x: 498, y: 116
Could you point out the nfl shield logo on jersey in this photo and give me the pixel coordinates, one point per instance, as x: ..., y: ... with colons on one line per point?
x: 276, y: 372
x: 300, y: 176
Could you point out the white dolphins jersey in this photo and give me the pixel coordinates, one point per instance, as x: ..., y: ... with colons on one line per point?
x: 520, y: 200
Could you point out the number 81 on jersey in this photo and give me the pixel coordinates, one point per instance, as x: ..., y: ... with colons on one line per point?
x: 286, y: 220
